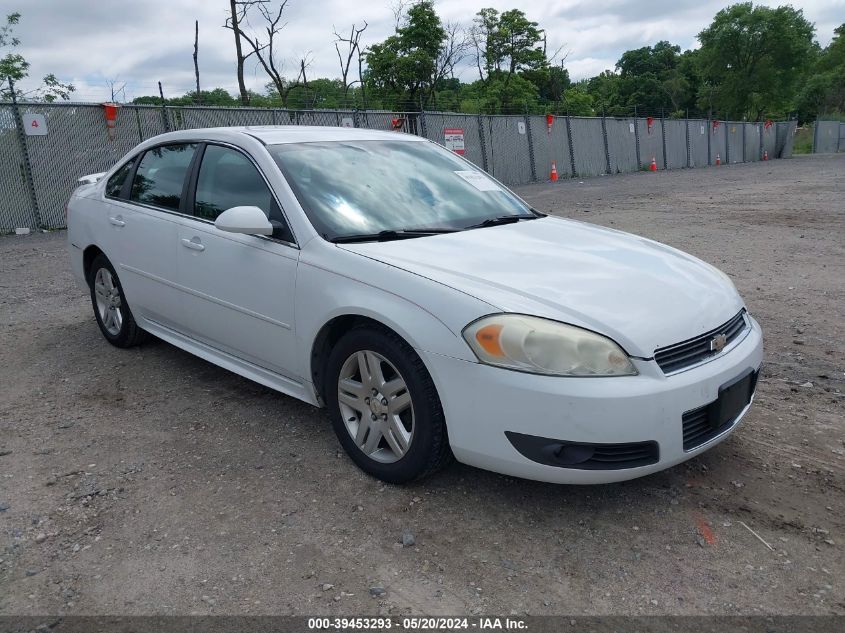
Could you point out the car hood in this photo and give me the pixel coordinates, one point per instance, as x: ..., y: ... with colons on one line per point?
x: 641, y: 293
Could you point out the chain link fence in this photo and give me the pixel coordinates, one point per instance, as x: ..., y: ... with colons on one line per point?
x: 828, y: 137
x: 38, y: 171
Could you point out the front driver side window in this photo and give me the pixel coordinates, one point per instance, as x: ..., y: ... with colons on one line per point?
x: 228, y: 179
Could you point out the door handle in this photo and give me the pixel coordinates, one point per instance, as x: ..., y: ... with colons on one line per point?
x: 117, y: 221
x: 193, y: 244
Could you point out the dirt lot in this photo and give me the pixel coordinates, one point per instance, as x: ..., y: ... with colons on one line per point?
x: 149, y: 481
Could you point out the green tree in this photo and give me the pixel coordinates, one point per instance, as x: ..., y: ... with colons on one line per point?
x: 147, y: 100
x: 576, y: 101
x: 823, y: 92
x: 508, y: 94
x: 655, y: 78
x: 753, y: 59
x: 654, y: 60
x: 606, y: 92
x: 404, y: 65
x: 507, y: 43
x: 219, y: 97
x: 551, y: 82
x: 14, y: 66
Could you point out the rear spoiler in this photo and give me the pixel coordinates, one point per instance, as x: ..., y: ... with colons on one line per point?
x: 90, y: 179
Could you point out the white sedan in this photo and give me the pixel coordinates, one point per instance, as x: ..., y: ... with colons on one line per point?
x: 432, y: 311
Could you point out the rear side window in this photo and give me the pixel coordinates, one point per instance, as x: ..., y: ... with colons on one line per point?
x: 114, y: 187
x: 161, y: 175
x: 228, y: 179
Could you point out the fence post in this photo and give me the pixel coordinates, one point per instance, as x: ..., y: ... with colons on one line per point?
x: 164, y: 119
x: 727, y: 143
x: 530, y: 148
x: 570, y: 143
x: 604, y: 138
x: 273, y: 116
x: 663, y: 137
x: 421, y: 128
x: 815, y: 135
x: 27, y: 166
x: 637, y: 139
x: 744, y: 160
x: 709, y: 142
x: 760, y: 132
x: 689, y: 149
x: 138, y: 123
x: 484, y: 164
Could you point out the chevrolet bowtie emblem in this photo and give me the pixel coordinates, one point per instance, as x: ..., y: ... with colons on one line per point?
x: 718, y: 342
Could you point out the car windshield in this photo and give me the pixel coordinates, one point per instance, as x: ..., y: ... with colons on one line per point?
x: 361, y: 188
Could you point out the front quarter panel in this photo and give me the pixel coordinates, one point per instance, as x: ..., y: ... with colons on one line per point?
x: 332, y: 282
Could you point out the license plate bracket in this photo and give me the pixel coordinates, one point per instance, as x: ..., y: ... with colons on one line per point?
x: 734, y: 396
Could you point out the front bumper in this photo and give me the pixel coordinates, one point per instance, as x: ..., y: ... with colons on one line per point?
x: 482, y: 403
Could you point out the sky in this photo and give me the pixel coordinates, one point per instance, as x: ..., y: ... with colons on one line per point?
x: 138, y: 43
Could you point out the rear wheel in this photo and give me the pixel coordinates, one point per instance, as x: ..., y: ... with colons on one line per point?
x: 110, y: 308
x: 384, y: 406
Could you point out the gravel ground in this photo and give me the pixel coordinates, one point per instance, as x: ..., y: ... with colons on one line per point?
x: 149, y: 481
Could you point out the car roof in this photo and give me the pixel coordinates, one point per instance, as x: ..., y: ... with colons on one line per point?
x: 277, y: 134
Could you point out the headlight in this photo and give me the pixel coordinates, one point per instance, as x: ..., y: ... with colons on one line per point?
x: 540, y: 346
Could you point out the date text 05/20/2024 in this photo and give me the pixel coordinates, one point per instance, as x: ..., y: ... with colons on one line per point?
x: 415, y: 624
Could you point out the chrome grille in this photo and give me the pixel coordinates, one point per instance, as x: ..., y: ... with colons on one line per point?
x: 682, y: 355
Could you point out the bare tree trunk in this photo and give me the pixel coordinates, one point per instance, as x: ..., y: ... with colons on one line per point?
x: 196, y: 53
x: 352, y: 47
x: 264, y: 50
x: 361, y: 79
x: 239, y: 52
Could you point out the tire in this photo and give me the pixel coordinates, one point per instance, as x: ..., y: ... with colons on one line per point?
x: 110, y: 307
x: 401, y: 455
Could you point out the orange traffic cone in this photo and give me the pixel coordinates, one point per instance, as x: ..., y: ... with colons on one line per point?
x: 553, y: 174
x: 718, y: 159
x: 653, y: 166
x: 765, y: 154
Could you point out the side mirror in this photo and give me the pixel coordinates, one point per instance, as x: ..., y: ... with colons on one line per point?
x: 249, y: 220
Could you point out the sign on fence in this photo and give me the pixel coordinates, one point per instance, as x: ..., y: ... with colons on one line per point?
x: 34, y: 124
x: 347, y: 122
x: 454, y: 139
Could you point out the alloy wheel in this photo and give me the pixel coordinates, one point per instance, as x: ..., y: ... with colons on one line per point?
x: 376, y: 406
x: 109, y: 304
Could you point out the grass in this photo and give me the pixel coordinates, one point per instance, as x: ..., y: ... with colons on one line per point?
x: 803, y: 143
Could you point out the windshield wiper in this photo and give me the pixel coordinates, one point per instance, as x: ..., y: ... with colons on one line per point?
x: 504, y: 219
x: 391, y: 234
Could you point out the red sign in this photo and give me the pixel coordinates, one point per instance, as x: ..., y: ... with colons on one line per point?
x: 454, y: 139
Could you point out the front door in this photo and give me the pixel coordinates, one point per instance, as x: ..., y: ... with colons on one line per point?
x: 238, y: 289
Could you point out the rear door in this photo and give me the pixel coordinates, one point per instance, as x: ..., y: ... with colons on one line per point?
x: 238, y: 289
x: 144, y: 208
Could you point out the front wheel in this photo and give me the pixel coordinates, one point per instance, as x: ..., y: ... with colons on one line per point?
x: 110, y: 308
x: 384, y: 407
